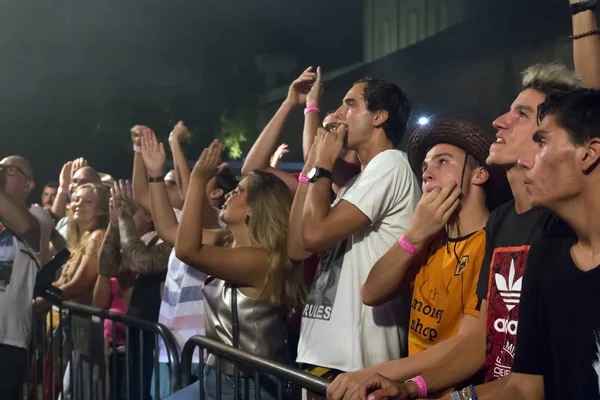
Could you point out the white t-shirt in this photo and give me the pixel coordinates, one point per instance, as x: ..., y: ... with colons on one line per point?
x: 338, y: 331
x: 182, y: 305
x: 62, y: 227
x: 19, y: 265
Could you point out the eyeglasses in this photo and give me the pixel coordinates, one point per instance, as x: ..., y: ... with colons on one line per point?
x: 11, y: 170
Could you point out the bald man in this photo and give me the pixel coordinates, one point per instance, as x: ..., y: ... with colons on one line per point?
x: 24, y: 233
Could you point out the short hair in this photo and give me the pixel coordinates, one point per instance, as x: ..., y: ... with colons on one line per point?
x: 578, y: 112
x: 550, y: 78
x: 51, y: 184
x: 380, y: 94
x: 226, y: 181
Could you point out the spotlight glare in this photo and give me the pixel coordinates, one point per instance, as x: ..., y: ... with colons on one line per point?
x: 423, y: 121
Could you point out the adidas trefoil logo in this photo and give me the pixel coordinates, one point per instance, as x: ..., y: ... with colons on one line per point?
x: 511, y: 292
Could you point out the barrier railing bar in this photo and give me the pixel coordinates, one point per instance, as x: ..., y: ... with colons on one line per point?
x: 113, y: 361
x: 156, y: 369
x: 141, y: 366
x: 282, y: 371
x: 155, y: 328
x: 128, y: 363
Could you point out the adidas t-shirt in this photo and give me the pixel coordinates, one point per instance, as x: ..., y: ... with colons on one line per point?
x: 559, y: 322
x: 338, y: 331
x: 19, y: 265
x: 444, y: 291
x: 509, y: 236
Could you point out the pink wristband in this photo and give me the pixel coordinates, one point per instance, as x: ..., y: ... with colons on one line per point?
x: 302, y: 178
x: 407, y: 246
x: 137, y: 148
x: 421, y: 386
x: 310, y: 108
x: 63, y: 190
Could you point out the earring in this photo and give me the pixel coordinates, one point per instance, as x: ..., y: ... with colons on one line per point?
x: 247, y: 220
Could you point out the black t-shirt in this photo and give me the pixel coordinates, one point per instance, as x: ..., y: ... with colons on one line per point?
x: 508, y: 238
x: 145, y: 296
x: 559, y: 322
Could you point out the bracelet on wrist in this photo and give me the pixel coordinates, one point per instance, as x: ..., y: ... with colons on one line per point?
x: 408, y: 247
x: 586, y: 34
x: 302, y: 178
x: 137, y: 149
x: 421, y: 386
x: 310, y: 108
x: 63, y: 190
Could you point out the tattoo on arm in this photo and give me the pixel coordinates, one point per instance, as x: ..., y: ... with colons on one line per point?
x: 110, y: 262
x: 138, y: 256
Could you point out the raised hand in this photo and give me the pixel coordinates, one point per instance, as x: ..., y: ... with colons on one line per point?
x: 123, y: 197
x: 328, y: 146
x: 153, y: 153
x: 209, y: 162
x: 314, y: 95
x: 432, y: 214
x: 66, y: 173
x: 113, y: 212
x: 136, y: 135
x: 300, y: 87
x: 180, y: 133
x: 279, y: 153
x: 77, y: 165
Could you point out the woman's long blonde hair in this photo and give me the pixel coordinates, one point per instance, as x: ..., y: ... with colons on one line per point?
x: 271, y: 200
x: 81, y: 243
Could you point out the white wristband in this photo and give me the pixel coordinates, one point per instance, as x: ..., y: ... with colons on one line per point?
x: 137, y: 148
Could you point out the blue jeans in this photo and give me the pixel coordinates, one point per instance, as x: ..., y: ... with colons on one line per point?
x: 246, y: 386
x: 268, y: 388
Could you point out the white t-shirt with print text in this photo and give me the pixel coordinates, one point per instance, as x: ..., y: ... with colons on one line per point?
x: 19, y: 265
x: 338, y: 331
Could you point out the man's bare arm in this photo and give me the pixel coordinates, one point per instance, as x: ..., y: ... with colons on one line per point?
x: 586, y: 51
x: 139, y: 257
x: 110, y: 262
x: 18, y: 219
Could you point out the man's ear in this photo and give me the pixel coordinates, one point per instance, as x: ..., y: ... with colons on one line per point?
x: 589, y: 155
x: 216, y: 194
x: 480, y: 176
x: 29, y: 186
x: 381, y: 116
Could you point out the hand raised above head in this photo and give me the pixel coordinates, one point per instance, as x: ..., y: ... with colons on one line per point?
x: 300, y: 87
x: 209, y: 161
x: 180, y: 133
x: 153, y: 153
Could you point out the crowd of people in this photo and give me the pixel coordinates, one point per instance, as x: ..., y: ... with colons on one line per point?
x: 391, y: 274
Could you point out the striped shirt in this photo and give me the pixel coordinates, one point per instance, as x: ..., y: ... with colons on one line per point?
x: 182, y: 305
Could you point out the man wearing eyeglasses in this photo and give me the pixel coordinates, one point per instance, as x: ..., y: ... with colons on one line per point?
x: 24, y: 233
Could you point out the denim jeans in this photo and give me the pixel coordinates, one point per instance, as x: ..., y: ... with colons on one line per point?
x: 246, y: 386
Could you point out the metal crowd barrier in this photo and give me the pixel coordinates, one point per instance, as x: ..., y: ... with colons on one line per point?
x: 286, y: 375
x: 76, y: 351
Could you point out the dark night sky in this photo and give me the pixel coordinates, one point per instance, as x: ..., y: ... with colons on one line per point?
x: 71, y: 66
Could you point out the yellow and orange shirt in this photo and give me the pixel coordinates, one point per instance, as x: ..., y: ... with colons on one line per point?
x: 444, y: 290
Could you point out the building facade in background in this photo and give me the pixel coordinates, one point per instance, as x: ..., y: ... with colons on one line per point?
x: 392, y: 25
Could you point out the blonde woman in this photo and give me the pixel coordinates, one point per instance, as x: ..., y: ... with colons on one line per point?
x: 88, y: 219
x: 250, y: 274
